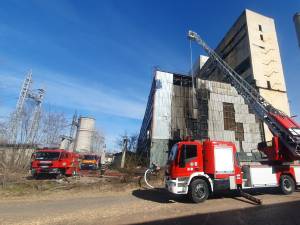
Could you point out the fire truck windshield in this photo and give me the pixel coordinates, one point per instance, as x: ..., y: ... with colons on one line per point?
x: 89, y: 157
x: 173, y: 153
x: 47, y: 155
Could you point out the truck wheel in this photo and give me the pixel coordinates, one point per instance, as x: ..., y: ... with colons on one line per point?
x: 198, y: 191
x: 287, y: 184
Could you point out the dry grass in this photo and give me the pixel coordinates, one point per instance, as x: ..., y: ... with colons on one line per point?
x: 24, y: 186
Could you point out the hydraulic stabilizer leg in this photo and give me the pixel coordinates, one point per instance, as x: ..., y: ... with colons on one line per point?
x: 250, y: 197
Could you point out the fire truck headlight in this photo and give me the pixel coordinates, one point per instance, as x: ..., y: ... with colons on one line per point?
x: 64, y: 163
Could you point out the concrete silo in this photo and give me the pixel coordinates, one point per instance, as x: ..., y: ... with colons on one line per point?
x: 297, y: 25
x: 86, y: 128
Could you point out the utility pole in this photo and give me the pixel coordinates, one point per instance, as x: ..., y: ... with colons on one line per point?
x: 125, y: 143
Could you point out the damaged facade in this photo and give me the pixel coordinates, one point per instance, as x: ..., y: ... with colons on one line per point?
x: 216, y: 111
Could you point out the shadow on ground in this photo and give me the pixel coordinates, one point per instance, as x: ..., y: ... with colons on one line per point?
x: 277, y: 214
x: 161, y: 195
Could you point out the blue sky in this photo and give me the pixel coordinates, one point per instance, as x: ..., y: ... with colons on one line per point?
x: 97, y: 57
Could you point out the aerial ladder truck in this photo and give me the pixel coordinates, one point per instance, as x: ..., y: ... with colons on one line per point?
x: 198, y: 169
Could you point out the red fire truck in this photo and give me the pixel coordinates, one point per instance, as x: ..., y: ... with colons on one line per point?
x: 198, y: 169
x: 55, y: 162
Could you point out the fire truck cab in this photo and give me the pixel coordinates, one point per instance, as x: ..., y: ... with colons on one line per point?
x: 198, y: 169
x: 54, y: 162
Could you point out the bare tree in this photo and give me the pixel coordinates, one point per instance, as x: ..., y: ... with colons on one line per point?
x: 98, y: 141
x: 128, y: 143
x: 131, y: 141
x: 3, y: 133
x: 52, y: 126
x: 26, y: 121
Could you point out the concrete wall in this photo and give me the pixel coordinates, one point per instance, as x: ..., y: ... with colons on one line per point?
x: 234, y: 49
x: 159, y: 151
x: 199, y: 63
x: 266, y: 62
x: 162, y: 105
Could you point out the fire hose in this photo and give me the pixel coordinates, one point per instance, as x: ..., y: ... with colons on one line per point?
x: 153, y: 169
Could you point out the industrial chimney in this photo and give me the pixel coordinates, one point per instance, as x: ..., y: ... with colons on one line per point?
x: 297, y: 25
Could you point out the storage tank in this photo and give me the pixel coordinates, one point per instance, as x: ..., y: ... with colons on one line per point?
x: 297, y: 26
x: 85, y: 130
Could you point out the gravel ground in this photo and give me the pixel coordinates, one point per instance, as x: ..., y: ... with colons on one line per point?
x: 137, y: 206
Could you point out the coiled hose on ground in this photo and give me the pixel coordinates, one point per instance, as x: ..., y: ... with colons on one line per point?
x: 151, y: 170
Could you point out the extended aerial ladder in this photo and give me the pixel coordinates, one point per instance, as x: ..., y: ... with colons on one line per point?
x: 286, y: 140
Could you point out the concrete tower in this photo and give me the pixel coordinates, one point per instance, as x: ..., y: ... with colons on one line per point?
x: 86, y: 128
x: 251, y: 48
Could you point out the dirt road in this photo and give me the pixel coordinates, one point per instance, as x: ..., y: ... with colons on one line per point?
x: 148, y: 207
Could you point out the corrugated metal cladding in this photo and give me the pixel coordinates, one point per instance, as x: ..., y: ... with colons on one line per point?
x: 297, y: 26
x: 211, y: 110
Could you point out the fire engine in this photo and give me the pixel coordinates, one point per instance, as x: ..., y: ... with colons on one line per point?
x: 55, y: 162
x: 197, y: 169
x: 90, y: 161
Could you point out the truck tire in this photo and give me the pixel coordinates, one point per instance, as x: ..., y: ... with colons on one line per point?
x: 287, y: 184
x: 198, y: 191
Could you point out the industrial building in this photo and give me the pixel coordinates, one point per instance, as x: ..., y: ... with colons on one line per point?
x: 216, y: 111
x: 206, y: 106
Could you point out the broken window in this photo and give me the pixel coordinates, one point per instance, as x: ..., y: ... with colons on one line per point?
x: 239, y: 132
x: 261, y: 37
x: 229, y: 116
x: 180, y: 80
x: 269, y: 84
x: 229, y: 121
